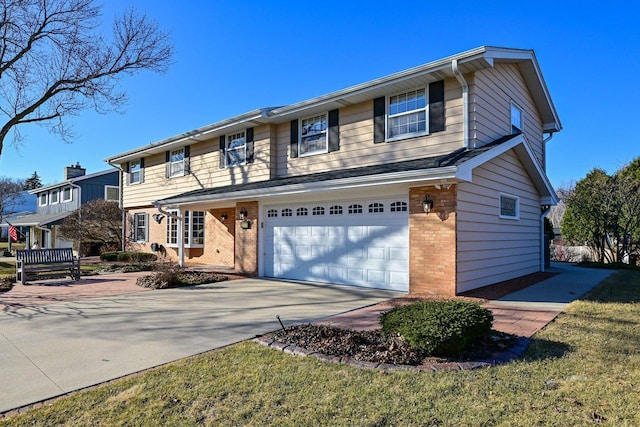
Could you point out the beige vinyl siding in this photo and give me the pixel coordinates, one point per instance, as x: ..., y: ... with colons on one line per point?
x: 356, y: 140
x: 491, y: 249
x: 205, y: 171
x: 491, y: 93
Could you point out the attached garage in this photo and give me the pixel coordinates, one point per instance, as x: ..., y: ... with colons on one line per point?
x: 361, y: 243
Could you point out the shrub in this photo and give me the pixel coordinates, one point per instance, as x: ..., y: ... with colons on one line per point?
x: 6, y: 283
x: 128, y: 256
x: 438, y: 327
x: 175, y: 277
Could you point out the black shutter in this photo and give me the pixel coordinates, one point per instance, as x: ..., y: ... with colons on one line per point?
x: 293, y: 144
x: 126, y: 173
x: 334, y: 131
x: 141, y: 170
x: 249, y: 135
x: 436, y: 106
x: 187, y: 160
x: 379, y: 106
x: 167, y: 164
x: 222, y: 151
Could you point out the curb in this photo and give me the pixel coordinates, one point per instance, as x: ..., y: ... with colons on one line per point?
x: 501, y: 358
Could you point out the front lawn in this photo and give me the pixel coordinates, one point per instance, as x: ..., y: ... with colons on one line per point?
x: 583, y: 369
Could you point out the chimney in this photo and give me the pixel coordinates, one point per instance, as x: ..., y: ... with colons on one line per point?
x: 74, y: 171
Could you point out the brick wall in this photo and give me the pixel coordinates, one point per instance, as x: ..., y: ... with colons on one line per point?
x: 246, y: 250
x: 432, y: 242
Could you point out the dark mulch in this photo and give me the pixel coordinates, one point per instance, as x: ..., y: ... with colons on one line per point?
x: 372, y: 346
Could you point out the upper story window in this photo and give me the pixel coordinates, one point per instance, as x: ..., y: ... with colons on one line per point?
x: 135, y: 171
x: 509, y: 206
x: 516, y: 119
x: 54, y: 197
x: 42, y: 199
x: 236, y: 149
x: 67, y: 195
x: 176, y: 163
x: 112, y: 193
x: 313, y: 135
x: 407, y: 114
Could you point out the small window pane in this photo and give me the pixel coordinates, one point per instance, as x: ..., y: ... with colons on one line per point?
x: 516, y: 119
x: 355, y: 209
x: 302, y: 212
x: 272, y: 213
x: 53, y: 197
x: 287, y: 212
x: 318, y: 210
x: 399, y: 207
x: 376, y: 208
x: 335, y: 210
x: 508, y: 206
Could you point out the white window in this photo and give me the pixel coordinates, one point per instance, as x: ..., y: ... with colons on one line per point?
x: 67, y: 195
x: 140, y: 225
x: 516, y: 119
x: 313, y: 135
x: 236, y: 150
x: 176, y: 163
x: 407, y: 114
x: 193, y: 229
x: 135, y: 172
x: 54, y: 197
x: 112, y: 193
x: 42, y: 199
x: 509, y: 206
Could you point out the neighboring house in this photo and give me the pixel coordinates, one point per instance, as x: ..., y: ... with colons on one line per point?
x: 25, y: 204
x: 55, y: 202
x: 336, y: 188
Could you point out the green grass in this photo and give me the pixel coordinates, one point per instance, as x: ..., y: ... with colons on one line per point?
x: 582, y: 369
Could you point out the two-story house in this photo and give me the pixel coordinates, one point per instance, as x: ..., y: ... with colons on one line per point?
x: 55, y: 202
x: 428, y: 180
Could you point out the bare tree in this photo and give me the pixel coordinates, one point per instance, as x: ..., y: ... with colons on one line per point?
x: 98, y: 221
x: 54, y: 63
x: 10, y: 194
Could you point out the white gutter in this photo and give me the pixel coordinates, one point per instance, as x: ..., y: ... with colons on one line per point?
x: 465, y: 101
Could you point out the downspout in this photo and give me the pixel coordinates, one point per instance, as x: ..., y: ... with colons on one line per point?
x: 180, y: 219
x: 465, y: 102
x: 543, y: 215
x: 544, y: 148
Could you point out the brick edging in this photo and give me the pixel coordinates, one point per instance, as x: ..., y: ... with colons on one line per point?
x: 501, y: 358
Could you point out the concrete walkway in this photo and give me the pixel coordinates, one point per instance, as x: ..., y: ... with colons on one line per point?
x: 49, y: 350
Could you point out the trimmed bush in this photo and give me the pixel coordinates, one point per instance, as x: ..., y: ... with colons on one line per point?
x: 128, y: 256
x: 438, y: 327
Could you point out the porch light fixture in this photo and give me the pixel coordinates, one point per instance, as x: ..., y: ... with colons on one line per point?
x: 224, y: 216
x: 243, y: 214
x: 427, y: 203
x: 157, y: 217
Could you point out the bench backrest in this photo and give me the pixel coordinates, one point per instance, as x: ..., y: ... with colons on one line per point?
x: 44, y: 256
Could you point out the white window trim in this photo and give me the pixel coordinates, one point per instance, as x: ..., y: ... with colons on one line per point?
x: 388, y: 116
x: 106, y: 187
x: 188, y: 230
x: 136, y: 227
x: 180, y: 172
x: 510, y: 196
x: 70, y: 199
x: 46, y: 199
x: 226, y: 149
x: 511, y: 108
x: 324, y: 132
x: 130, y: 180
x: 51, y: 201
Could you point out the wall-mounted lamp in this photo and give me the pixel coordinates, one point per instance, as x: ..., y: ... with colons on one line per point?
x: 157, y: 217
x: 243, y: 214
x: 224, y: 216
x: 427, y: 203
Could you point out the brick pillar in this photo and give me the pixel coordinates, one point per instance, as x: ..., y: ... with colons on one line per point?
x: 432, y: 242
x: 246, y: 252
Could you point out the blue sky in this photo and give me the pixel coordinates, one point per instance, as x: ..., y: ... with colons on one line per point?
x: 236, y: 56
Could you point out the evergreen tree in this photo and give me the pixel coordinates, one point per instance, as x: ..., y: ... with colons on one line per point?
x: 33, y: 182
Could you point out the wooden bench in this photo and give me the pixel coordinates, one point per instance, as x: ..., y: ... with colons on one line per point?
x: 37, y: 260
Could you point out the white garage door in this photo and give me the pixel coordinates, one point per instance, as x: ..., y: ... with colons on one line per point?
x: 363, y: 243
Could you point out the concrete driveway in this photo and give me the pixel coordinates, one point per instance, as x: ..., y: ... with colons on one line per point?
x: 49, y: 350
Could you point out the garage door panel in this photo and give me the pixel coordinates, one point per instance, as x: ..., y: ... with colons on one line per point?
x: 368, y: 249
